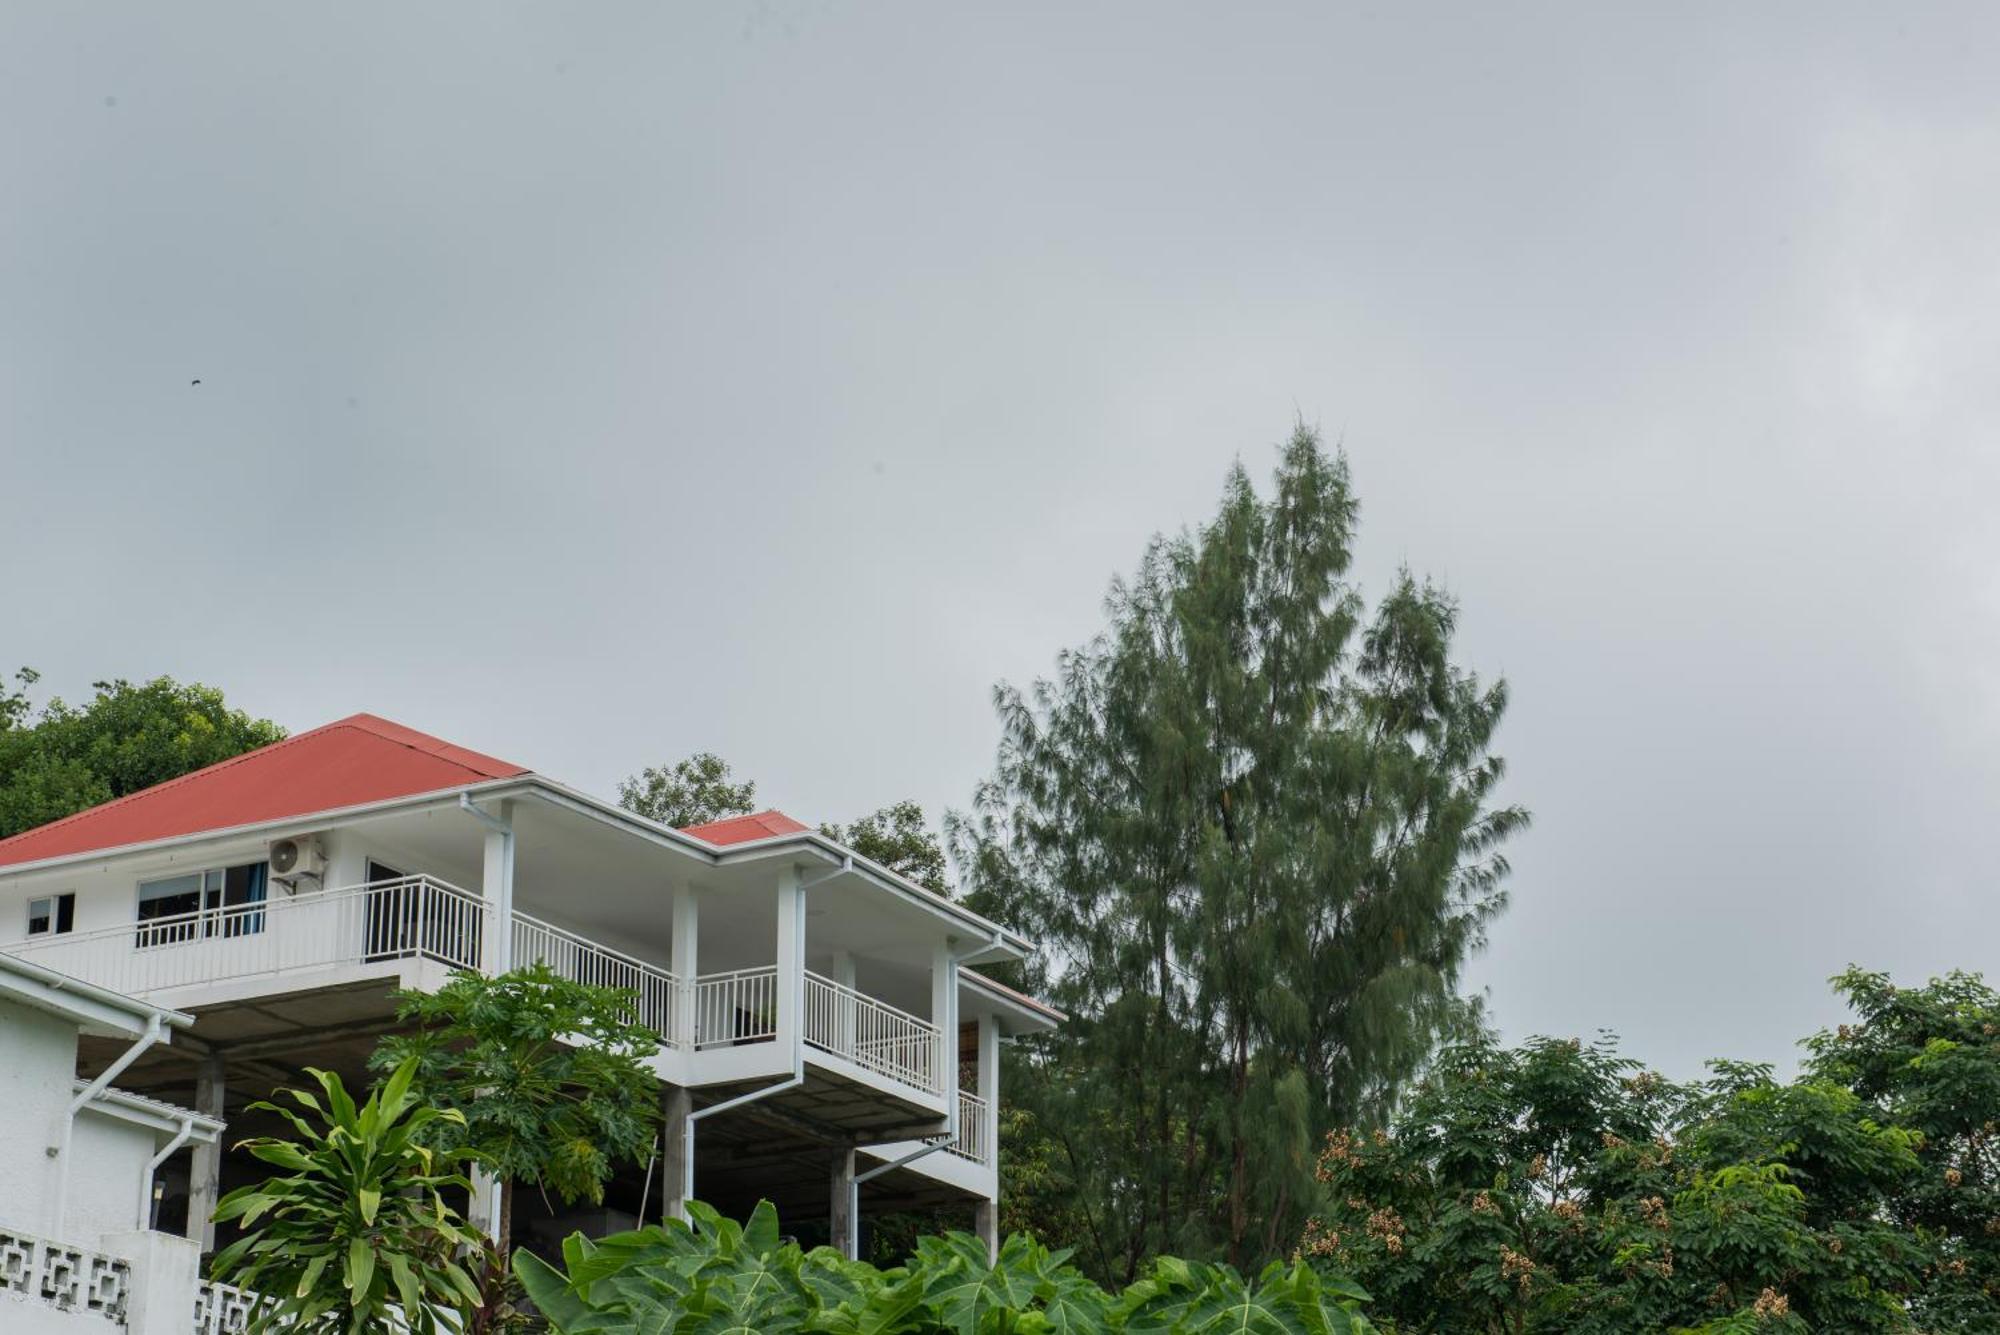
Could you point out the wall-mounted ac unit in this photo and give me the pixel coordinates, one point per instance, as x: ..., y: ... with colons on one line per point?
x: 295, y: 858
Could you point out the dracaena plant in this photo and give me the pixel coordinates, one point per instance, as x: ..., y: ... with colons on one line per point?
x: 715, y: 1277
x: 353, y: 1235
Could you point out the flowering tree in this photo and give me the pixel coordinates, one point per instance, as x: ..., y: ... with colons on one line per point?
x: 1560, y: 1187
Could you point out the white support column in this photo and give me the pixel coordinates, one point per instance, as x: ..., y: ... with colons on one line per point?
x: 790, y: 958
x: 989, y: 1092
x: 944, y: 1015
x: 685, y: 961
x: 989, y: 1066
x: 205, y: 1170
x: 843, y: 973
x: 496, y: 884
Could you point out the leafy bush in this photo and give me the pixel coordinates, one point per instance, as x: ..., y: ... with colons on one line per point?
x: 716, y: 1276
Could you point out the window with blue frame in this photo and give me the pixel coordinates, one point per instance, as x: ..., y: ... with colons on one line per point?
x: 216, y: 902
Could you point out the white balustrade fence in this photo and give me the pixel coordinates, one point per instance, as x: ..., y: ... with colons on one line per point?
x: 412, y: 917
x: 872, y: 1034
x: 69, y: 1279
x: 657, y: 991
x: 736, y: 1007
x: 970, y: 1142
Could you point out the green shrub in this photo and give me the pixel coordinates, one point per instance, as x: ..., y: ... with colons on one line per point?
x: 717, y: 1278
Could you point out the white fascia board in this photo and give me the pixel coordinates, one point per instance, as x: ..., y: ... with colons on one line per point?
x: 308, y: 823
x: 154, y: 1114
x: 1027, y: 1014
x: 98, y: 1009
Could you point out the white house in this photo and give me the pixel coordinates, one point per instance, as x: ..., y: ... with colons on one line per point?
x: 826, y: 1039
x: 77, y: 1252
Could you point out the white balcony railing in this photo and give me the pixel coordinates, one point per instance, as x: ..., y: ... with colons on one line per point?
x: 584, y: 961
x: 872, y: 1034
x: 970, y: 1142
x: 412, y: 917
x: 421, y: 917
x: 736, y: 1007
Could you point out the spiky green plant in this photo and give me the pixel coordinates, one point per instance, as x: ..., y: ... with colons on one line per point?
x: 354, y: 1237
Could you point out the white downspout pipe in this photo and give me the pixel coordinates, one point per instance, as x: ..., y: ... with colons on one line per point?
x: 181, y: 1137
x: 155, y: 1032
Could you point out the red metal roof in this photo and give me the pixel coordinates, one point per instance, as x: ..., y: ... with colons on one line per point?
x: 350, y: 763
x: 739, y: 829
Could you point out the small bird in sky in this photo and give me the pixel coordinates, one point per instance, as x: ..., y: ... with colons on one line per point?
x: 194, y: 382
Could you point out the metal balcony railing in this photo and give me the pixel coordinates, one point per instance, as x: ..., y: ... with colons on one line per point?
x: 872, y: 1034
x: 411, y: 917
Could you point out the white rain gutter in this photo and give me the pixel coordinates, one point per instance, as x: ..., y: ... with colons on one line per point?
x: 155, y: 1032
x: 947, y: 1033
x: 798, y: 1075
x: 181, y: 1137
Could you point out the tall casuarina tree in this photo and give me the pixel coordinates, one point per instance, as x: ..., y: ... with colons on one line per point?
x: 1253, y: 825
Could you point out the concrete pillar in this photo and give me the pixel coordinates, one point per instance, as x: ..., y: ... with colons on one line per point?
x: 986, y: 1223
x: 790, y: 958
x: 847, y: 1006
x: 944, y: 1014
x: 843, y: 1224
x: 496, y: 885
x: 989, y: 1090
x: 675, y: 1176
x: 685, y: 962
x: 165, y: 1270
x: 205, y: 1171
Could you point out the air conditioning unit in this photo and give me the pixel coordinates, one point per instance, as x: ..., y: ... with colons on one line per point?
x: 294, y: 858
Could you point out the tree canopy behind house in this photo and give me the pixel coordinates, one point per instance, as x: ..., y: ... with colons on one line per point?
x: 1560, y: 1186
x: 1253, y: 826
x: 63, y: 758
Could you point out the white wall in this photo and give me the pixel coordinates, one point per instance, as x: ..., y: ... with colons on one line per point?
x: 37, y: 1066
x: 108, y: 1158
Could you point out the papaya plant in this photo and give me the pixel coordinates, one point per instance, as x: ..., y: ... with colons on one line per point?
x: 712, y: 1276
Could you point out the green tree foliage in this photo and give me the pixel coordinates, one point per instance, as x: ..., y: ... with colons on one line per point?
x: 1558, y: 1187
x: 1252, y: 825
x: 694, y: 791
x: 900, y: 838
x: 352, y: 1236
x: 66, y: 758
x: 718, y: 1276
x: 549, y: 1075
x: 1928, y: 1058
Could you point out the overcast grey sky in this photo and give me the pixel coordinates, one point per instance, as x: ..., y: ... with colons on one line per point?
x: 590, y: 384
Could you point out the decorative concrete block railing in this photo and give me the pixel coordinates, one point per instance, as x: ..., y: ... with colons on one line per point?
x: 69, y: 1279
x: 222, y: 1309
